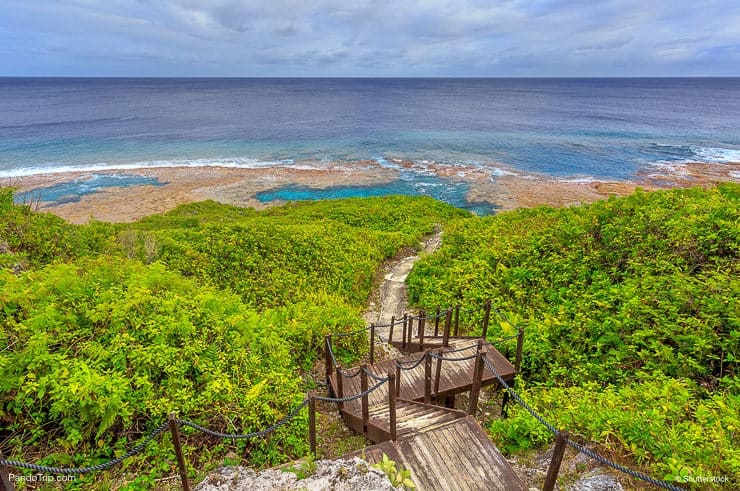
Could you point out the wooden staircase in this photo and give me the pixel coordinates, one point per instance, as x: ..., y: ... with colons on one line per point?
x: 411, y: 418
x: 444, y: 448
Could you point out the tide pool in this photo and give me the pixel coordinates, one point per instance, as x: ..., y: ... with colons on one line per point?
x: 451, y: 192
x: 72, y: 191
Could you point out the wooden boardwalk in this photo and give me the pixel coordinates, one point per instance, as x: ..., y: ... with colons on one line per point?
x: 449, y: 378
x: 444, y: 448
x: 453, y: 456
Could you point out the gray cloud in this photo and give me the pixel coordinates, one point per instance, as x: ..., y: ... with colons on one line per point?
x: 370, y: 38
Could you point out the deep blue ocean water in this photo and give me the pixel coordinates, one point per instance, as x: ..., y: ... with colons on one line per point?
x: 565, y: 128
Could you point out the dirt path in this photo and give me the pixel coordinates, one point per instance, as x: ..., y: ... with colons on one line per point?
x: 389, y: 298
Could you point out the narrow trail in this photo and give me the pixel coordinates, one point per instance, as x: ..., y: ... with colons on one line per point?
x: 390, y: 297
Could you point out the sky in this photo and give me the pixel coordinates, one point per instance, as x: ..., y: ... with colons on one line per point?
x: 370, y: 38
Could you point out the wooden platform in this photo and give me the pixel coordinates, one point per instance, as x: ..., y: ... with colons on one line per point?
x: 455, y: 377
x: 429, y: 342
x: 456, y: 455
x: 442, y: 447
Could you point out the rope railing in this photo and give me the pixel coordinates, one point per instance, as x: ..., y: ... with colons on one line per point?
x: 503, y: 318
x: 330, y: 351
x: 416, y: 363
x: 464, y: 348
x: 229, y: 436
x: 85, y: 470
x: 463, y: 358
x: 138, y: 448
x: 504, y: 339
x: 373, y: 376
x: 354, y: 397
x: 347, y: 374
x: 576, y: 446
x: 174, y: 424
x: 428, y: 317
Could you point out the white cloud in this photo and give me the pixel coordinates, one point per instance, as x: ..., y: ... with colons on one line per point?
x: 333, y: 37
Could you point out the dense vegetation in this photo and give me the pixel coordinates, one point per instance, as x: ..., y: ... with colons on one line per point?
x: 210, y: 311
x: 630, y: 308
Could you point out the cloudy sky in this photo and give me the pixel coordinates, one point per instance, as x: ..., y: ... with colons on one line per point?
x: 497, y: 38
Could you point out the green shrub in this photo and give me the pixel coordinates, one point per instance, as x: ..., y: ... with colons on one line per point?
x: 637, y: 288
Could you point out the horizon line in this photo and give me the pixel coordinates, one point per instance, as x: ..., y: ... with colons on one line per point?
x: 268, y: 77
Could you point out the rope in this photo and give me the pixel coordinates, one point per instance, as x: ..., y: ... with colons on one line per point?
x: 507, y: 338
x: 331, y: 354
x: 464, y: 358
x: 502, y: 318
x: 394, y: 323
x: 626, y: 470
x: 576, y: 446
x: 346, y: 374
x: 373, y: 376
x: 351, y: 398
x: 84, y: 470
x: 282, y: 422
x: 519, y: 399
x: 457, y: 350
x: 418, y: 362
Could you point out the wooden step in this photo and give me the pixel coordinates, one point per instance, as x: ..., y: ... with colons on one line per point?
x: 453, y: 456
x: 412, y: 417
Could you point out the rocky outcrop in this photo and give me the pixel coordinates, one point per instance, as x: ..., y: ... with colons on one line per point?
x: 339, y: 475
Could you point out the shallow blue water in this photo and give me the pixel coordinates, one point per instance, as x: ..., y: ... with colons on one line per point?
x: 602, y: 128
x: 450, y: 192
x: 70, y: 191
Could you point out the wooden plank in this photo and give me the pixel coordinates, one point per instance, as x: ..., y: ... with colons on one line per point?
x: 497, y: 461
x: 450, y: 459
x: 428, y: 476
x: 443, y: 448
x: 475, y: 464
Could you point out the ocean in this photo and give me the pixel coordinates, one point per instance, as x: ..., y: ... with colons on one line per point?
x: 570, y: 129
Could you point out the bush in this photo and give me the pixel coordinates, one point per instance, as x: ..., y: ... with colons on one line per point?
x: 637, y: 288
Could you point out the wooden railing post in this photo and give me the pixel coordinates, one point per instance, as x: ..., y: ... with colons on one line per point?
x: 365, y: 406
x: 5, y: 477
x: 441, y: 353
x: 405, y: 323
x: 398, y: 379
x: 436, y: 322
x: 422, y: 326
x: 477, y: 382
x: 557, y: 459
x: 372, y: 343
x: 410, y: 332
x: 392, y: 405
x: 486, y: 318
x: 448, y: 323
x: 174, y: 429
x: 457, y: 319
x: 390, y: 329
x: 340, y: 389
x: 517, y: 367
x: 312, y: 424
x: 427, y: 377
x: 327, y: 361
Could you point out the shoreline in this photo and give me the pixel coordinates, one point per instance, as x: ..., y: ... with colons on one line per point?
x: 503, y: 187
